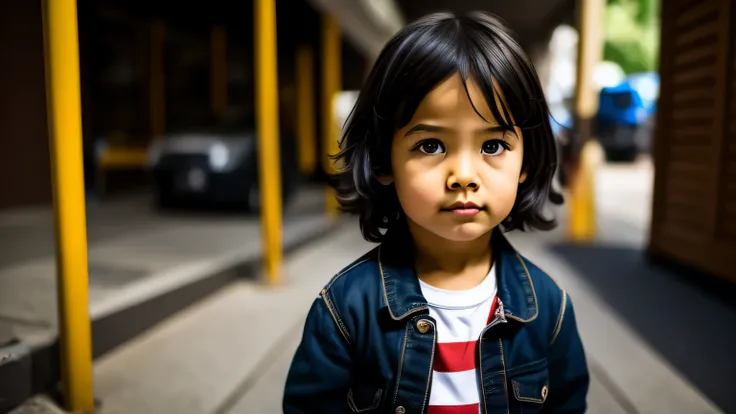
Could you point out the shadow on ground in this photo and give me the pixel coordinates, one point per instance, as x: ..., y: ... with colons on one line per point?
x: 688, y: 318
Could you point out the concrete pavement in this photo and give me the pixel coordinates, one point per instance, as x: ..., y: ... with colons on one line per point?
x: 641, y: 325
x: 661, y: 332
x: 227, y: 345
x: 143, y: 266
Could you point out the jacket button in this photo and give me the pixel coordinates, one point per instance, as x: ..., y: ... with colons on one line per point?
x: 400, y: 410
x: 545, y: 390
x: 423, y: 325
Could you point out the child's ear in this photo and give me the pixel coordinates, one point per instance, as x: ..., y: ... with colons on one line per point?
x: 522, y: 177
x: 385, y: 179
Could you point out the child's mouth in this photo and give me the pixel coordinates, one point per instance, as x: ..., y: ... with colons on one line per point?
x: 465, y: 209
x: 466, y: 212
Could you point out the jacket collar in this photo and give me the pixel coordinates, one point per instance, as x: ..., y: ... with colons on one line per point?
x: 403, y: 295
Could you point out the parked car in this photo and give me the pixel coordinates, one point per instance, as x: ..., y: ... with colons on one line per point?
x: 217, y: 165
x: 625, y: 119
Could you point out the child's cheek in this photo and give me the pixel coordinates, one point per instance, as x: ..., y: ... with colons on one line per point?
x: 419, y: 194
x: 501, y: 189
x: 503, y: 203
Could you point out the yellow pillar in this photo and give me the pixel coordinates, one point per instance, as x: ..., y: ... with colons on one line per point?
x: 331, y: 84
x: 65, y: 139
x: 267, y: 124
x: 305, y: 110
x: 157, y: 92
x: 582, y: 227
x: 581, y: 219
x: 218, y: 71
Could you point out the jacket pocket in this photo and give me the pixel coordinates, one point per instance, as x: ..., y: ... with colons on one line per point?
x: 364, y: 399
x: 530, y: 388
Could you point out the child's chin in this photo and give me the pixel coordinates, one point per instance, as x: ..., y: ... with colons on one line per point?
x: 467, y: 232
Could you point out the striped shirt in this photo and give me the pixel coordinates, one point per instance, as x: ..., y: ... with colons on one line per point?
x: 461, y: 317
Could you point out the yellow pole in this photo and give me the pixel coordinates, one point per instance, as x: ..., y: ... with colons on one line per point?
x: 305, y: 110
x: 331, y: 84
x: 267, y: 123
x: 157, y: 94
x: 65, y: 133
x: 582, y: 226
x: 581, y: 218
x: 218, y: 68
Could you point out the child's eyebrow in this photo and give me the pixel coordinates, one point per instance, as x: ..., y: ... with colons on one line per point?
x: 419, y: 128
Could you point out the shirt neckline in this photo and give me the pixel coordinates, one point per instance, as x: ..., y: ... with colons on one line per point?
x: 461, y: 299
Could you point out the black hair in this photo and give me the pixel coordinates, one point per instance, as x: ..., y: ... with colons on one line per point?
x: 426, y: 52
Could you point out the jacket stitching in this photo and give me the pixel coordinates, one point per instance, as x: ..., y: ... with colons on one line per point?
x: 344, y: 271
x: 560, y: 318
x: 331, y: 307
x: 431, y: 366
x: 532, y: 366
x: 517, y: 394
x: 383, y: 285
x: 411, y: 311
x: 401, y: 366
x: 336, y: 319
x: 534, y: 293
x: 505, y: 374
x: 354, y: 407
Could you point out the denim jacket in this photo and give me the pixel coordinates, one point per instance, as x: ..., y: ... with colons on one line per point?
x: 368, y: 342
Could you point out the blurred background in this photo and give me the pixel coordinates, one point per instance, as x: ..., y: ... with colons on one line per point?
x: 164, y: 193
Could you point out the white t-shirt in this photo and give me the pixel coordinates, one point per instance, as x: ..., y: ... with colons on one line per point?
x: 460, y: 316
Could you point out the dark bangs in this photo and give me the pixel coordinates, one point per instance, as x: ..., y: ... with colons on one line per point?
x: 476, y: 46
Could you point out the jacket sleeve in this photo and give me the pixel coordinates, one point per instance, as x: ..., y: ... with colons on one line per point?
x: 568, y: 369
x: 319, y: 376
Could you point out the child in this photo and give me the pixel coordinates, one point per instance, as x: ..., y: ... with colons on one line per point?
x: 449, y: 145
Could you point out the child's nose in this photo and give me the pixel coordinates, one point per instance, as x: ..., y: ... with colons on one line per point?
x: 463, y: 176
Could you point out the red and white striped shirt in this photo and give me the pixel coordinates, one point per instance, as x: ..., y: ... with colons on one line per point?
x: 460, y: 316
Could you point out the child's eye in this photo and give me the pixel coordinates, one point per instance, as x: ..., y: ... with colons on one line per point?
x: 431, y: 147
x: 494, y: 147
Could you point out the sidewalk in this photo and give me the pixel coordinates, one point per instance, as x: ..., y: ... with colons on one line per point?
x: 143, y: 267
x: 634, y: 373
x: 661, y: 339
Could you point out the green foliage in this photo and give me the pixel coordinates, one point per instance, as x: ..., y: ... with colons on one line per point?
x: 647, y: 12
x: 631, y: 56
x: 632, y: 34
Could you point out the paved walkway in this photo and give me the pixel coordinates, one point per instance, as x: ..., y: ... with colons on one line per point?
x: 135, y: 251
x: 143, y: 265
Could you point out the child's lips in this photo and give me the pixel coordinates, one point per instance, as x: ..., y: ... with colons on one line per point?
x: 466, y: 209
x: 466, y: 212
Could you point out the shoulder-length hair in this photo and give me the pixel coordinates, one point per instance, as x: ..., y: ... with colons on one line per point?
x: 426, y: 52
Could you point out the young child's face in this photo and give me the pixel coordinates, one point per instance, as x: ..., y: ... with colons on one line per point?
x: 448, y: 157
